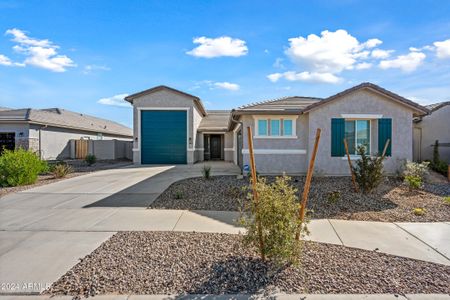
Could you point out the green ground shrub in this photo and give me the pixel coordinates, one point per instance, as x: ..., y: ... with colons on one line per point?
x: 20, y: 167
x: 278, y: 213
x: 447, y: 200
x: 368, y: 170
x: 90, y: 159
x: 414, y: 173
x: 437, y: 164
x: 206, y: 172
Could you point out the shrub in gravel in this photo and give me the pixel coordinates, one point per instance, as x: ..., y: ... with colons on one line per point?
x: 368, y: 170
x: 61, y: 170
x: 276, y: 215
x: 419, y: 211
x: 206, y: 172
x: 333, y: 197
x: 90, y: 159
x: 20, y: 167
x: 447, y: 200
x: 178, y: 195
x: 414, y: 173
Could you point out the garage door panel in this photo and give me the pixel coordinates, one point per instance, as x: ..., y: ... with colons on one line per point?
x: 164, y: 137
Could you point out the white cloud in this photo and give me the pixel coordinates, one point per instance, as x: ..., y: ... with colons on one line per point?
x: 116, y: 100
x: 227, y: 86
x: 279, y: 63
x: 363, y: 66
x: 5, y: 61
x: 331, y: 52
x: 381, y: 54
x: 216, y: 47
x: 305, y: 76
x: 91, y: 68
x: 406, y: 63
x: 39, y: 53
x: 442, y: 49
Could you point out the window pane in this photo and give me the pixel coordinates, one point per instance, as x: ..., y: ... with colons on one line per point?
x: 262, y: 127
x: 350, y: 136
x: 274, y: 127
x: 363, y: 134
x: 287, y: 127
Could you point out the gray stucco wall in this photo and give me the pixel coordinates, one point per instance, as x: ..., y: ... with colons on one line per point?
x: 277, y: 163
x: 435, y: 127
x: 361, y: 102
x: 229, y: 148
x: 167, y: 99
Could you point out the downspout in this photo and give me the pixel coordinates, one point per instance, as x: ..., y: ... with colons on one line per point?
x: 40, y: 143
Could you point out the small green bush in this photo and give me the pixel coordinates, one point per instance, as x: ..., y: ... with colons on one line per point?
x: 437, y: 164
x: 62, y: 170
x: 333, y: 197
x: 414, y: 173
x: 277, y: 210
x: 368, y: 170
x: 178, y: 195
x: 20, y: 167
x: 90, y: 159
x: 447, y: 200
x: 419, y: 211
x: 206, y: 172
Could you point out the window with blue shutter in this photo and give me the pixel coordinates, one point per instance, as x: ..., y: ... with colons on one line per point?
x: 384, y: 133
x: 337, y: 136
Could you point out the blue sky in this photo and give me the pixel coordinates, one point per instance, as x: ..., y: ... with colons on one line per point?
x: 86, y: 55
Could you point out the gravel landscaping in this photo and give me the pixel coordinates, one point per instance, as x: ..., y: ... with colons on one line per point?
x: 207, y: 263
x: 80, y: 167
x: 391, y: 202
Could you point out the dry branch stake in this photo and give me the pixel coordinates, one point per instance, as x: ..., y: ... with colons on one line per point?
x: 350, y: 166
x: 255, y: 194
x: 308, y: 182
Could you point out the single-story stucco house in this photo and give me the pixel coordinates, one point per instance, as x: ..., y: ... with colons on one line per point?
x: 48, y: 131
x: 432, y: 127
x: 173, y: 127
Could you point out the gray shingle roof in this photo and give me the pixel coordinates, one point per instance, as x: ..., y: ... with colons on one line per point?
x: 215, y: 120
x: 436, y: 106
x: 283, y: 104
x: 65, y: 118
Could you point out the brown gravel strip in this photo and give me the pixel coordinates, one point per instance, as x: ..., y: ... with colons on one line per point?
x: 205, y: 263
x: 391, y: 202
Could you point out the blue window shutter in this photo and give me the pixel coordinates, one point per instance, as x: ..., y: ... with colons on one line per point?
x: 337, y: 136
x: 384, y: 133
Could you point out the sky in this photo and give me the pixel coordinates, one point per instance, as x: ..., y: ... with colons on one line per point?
x: 86, y: 56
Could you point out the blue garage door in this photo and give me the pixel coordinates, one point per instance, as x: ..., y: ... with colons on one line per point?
x: 163, y: 137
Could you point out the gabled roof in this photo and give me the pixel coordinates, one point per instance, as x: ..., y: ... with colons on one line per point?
x: 58, y: 117
x: 367, y: 85
x: 290, y: 104
x: 215, y: 120
x: 155, y: 89
x: 436, y: 106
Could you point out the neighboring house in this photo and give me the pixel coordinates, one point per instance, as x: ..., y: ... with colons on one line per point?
x: 428, y: 129
x: 48, y: 131
x: 171, y: 126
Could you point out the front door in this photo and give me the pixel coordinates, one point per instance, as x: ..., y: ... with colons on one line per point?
x: 215, y: 147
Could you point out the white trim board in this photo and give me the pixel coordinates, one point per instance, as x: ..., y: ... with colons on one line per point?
x: 361, y: 116
x: 275, y: 151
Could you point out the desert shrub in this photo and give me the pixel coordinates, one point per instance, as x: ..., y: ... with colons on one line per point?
x: 414, y: 173
x: 61, y: 170
x: 20, y: 167
x: 90, y: 159
x: 206, y: 172
x: 419, y: 211
x: 446, y: 200
x: 368, y: 170
x: 333, y: 197
x: 277, y: 214
x: 437, y: 164
x: 178, y: 195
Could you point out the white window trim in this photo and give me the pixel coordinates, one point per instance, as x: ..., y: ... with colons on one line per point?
x: 140, y: 109
x: 276, y: 117
x: 356, y: 136
x: 361, y: 116
x: 275, y: 151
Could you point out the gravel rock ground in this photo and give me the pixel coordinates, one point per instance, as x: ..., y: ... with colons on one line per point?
x: 207, y: 263
x: 391, y: 202
x: 79, y: 168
